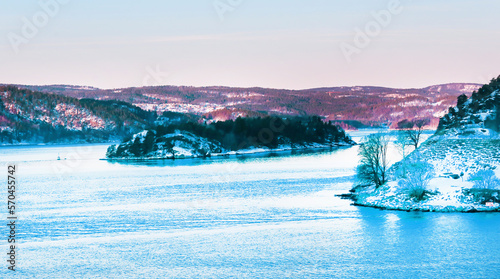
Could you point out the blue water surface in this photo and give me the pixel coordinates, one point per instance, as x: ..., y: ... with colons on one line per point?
x: 248, y: 217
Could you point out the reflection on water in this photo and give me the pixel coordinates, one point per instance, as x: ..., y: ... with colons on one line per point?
x: 264, y: 216
x: 215, y: 159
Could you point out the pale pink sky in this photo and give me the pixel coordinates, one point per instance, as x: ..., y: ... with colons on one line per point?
x: 281, y: 44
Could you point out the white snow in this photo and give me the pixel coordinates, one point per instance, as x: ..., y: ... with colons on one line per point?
x: 450, y: 156
x: 484, y: 115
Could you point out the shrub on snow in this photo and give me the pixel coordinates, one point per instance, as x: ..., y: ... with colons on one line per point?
x: 415, y: 179
x: 485, y: 179
x: 486, y: 187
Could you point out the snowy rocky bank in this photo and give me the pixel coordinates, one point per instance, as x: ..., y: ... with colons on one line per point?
x: 453, y: 185
x: 448, y: 196
x: 456, y: 170
x: 182, y: 145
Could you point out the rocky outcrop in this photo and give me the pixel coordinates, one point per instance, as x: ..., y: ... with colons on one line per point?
x: 181, y: 144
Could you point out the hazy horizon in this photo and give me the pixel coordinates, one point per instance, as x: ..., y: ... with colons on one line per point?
x: 275, y: 88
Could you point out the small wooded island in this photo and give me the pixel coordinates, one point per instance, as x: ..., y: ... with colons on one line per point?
x: 455, y: 170
x: 188, y: 139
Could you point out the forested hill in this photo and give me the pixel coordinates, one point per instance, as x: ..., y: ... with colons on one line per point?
x: 190, y: 139
x: 33, y: 117
x: 478, y: 114
x: 353, y: 106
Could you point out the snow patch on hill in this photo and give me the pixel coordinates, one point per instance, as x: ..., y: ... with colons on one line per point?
x: 145, y: 145
x: 69, y: 116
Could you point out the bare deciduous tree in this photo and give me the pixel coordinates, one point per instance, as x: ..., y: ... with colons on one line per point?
x: 403, y: 145
x: 413, y: 129
x: 374, y: 162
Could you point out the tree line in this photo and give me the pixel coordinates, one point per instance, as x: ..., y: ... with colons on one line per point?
x: 262, y: 131
x: 481, y: 100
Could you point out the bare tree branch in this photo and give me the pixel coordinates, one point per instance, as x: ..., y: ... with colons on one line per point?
x: 374, y: 161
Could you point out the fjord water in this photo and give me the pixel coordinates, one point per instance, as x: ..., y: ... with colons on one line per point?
x: 248, y: 217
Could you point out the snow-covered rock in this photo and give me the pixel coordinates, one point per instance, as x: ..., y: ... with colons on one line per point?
x: 183, y: 144
x: 180, y: 144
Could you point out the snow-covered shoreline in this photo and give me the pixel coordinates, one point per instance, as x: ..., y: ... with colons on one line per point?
x: 252, y: 151
x: 456, y: 161
x: 447, y: 209
x: 147, y: 145
x: 444, y: 199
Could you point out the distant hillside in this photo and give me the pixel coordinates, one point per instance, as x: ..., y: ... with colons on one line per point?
x: 368, y: 105
x: 33, y: 117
